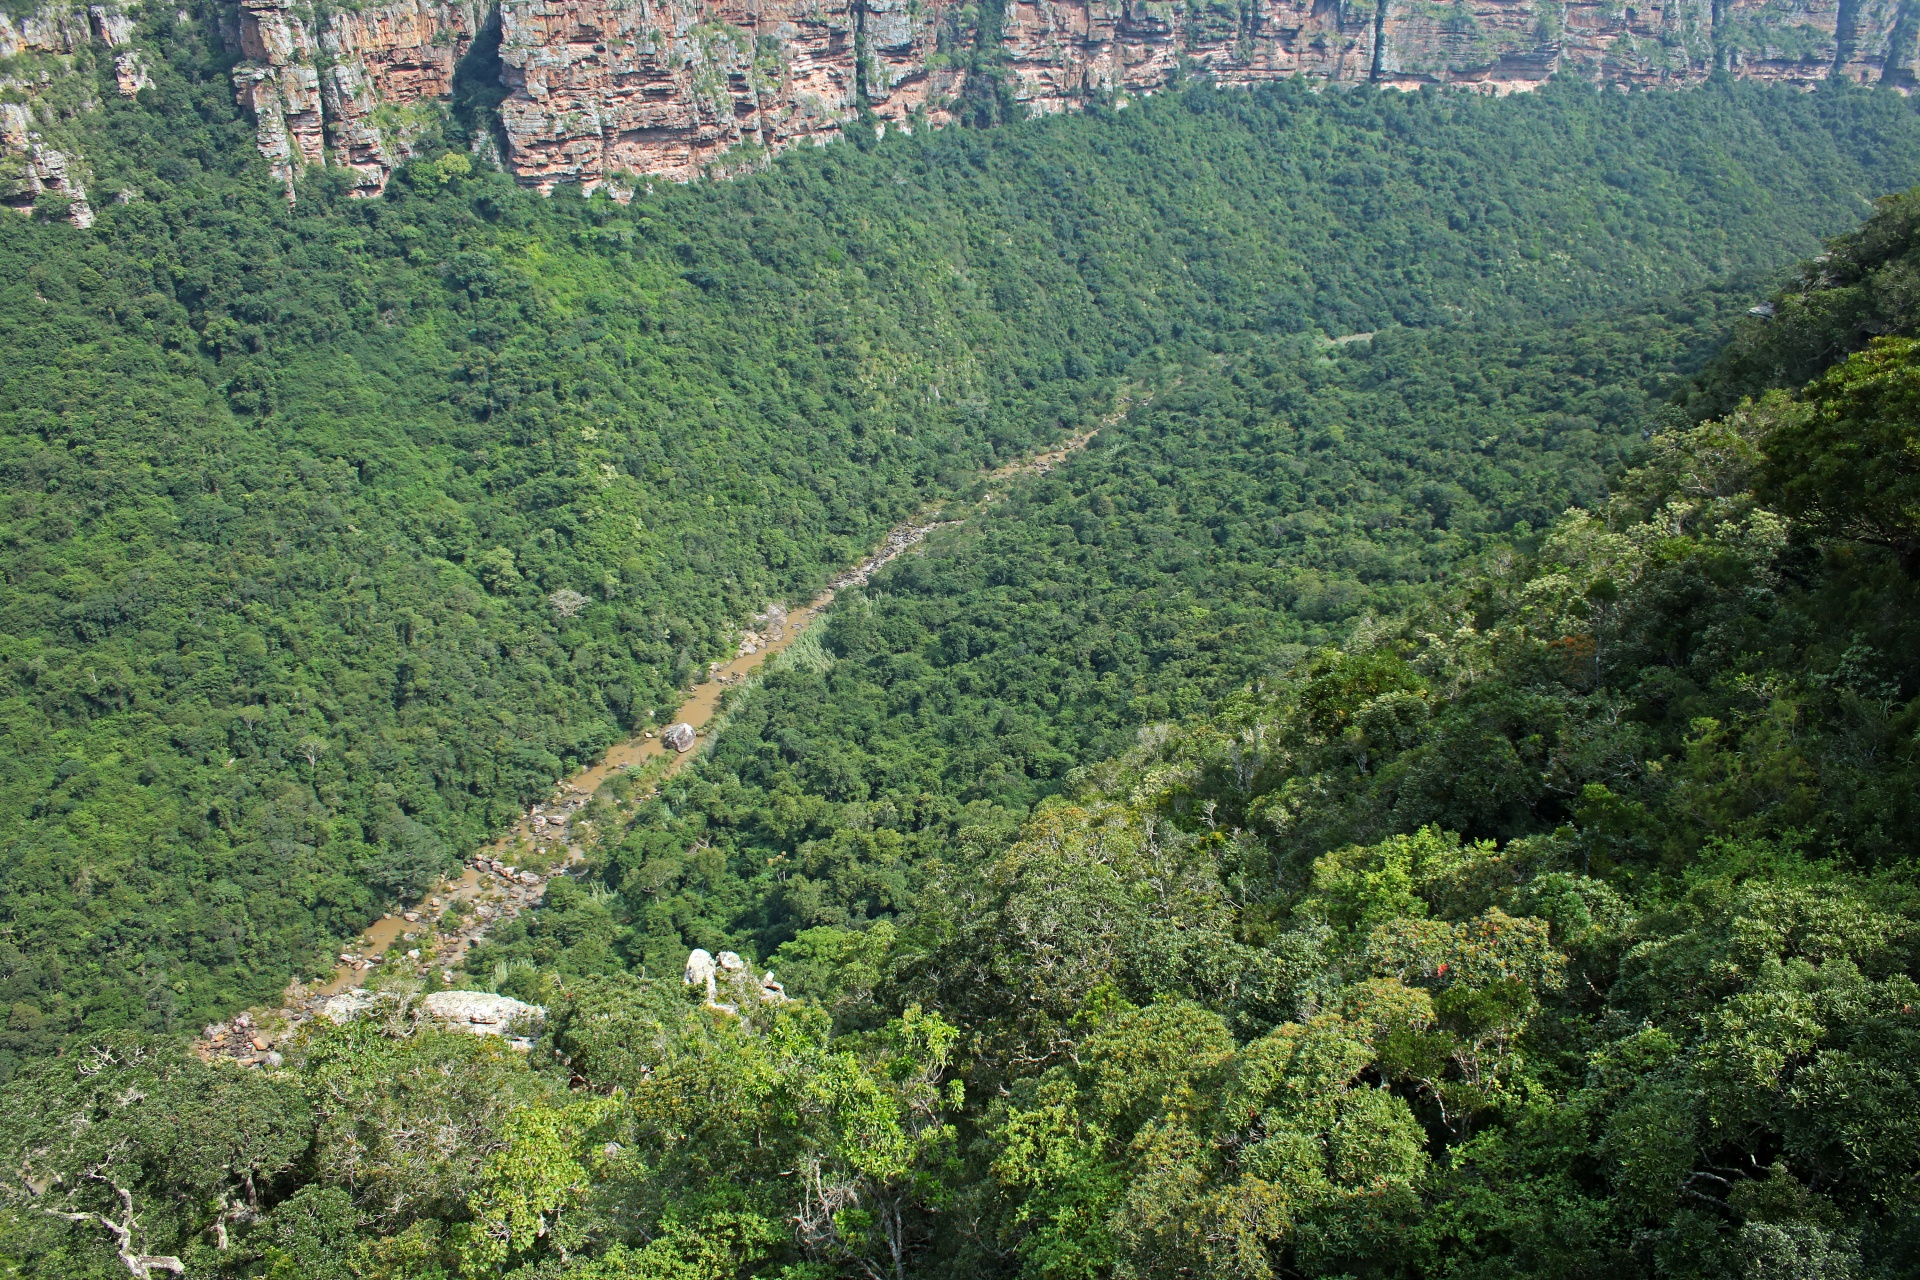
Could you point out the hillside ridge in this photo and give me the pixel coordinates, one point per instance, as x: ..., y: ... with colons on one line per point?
x: 603, y: 93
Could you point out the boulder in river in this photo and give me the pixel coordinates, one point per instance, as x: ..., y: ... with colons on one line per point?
x: 680, y: 736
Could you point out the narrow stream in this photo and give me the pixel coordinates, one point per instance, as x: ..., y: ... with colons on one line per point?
x: 494, y: 889
x: 475, y: 884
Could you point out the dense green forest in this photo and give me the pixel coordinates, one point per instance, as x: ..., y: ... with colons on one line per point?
x: 1560, y: 923
x: 1255, y: 506
x: 334, y: 534
x: 1427, y: 791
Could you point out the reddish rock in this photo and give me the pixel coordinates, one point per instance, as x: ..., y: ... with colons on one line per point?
x: 603, y: 91
x: 605, y: 94
x: 397, y: 54
x: 38, y: 47
x: 277, y: 82
x: 610, y: 92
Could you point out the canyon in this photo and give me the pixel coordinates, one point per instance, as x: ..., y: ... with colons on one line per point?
x: 610, y: 93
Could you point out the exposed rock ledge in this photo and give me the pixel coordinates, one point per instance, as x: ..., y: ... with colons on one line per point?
x: 604, y: 93
x: 480, y: 1012
x: 47, y: 58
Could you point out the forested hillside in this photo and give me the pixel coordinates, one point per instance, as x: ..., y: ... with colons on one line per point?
x: 1561, y: 922
x: 334, y: 534
x: 1428, y: 790
x: 1255, y: 506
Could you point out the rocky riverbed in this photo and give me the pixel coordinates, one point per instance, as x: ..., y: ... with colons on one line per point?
x: 427, y: 944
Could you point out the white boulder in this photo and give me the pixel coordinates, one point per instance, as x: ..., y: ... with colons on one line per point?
x: 700, y: 970
x: 347, y: 1006
x: 480, y: 1012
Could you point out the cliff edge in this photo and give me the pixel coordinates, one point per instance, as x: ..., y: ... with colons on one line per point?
x: 606, y: 93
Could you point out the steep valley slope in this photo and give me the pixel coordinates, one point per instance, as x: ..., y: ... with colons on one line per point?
x: 1423, y: 787
x: 337, y: 532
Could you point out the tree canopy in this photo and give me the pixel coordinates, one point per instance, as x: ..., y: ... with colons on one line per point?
x: 1428, y: 790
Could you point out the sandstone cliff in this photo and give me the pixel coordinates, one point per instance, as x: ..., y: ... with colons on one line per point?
x: 48, y: 71
x: 604, y: 92
x: 355, y: 88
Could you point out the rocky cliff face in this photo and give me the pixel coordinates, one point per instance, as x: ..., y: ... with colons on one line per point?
x: 605, y: 92
x: 355, y: 88
x: 1059, y: 51
x: 664, y: 87
x: 48, y: 65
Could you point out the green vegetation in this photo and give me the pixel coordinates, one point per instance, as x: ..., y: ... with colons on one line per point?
x: 1563, y: 925
x: 1560, y: 927
x: 1254, y: 506
x: 1564, y: 928
x: 332, y: 535
x: 1427, y: 792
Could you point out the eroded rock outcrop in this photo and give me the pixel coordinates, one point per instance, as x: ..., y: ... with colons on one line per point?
x: 280, y: 85
x: 601, y: 88
x: 48, y: 59
x: 605, y: 93
x: 1060, y: 51
x: 479, y: 1012
x: 663, y: 88
x: 357, y: 89
x: 728, y: 975
x: 400, y: 55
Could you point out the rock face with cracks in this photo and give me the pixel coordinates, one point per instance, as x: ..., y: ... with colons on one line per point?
x: 480, y: 1012
x: 609, y: 93
x: 50, y: 59
x: 357, y: 89
x: 729, y: 975
x: 602, y: 93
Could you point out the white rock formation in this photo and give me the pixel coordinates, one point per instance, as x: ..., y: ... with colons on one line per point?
x: 348, y: 1005
x: 480, y: 1012
x: 729, y: 971
x: 700, y: 971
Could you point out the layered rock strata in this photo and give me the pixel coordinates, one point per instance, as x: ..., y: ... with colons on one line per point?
x: 359, y: 89
x: 604, y: 91
x: 279, y: 84
x: 665, y: 87
x: 607, y: 92
x: 47, y: 63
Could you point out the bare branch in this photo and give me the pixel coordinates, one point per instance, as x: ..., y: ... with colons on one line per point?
x: 141, y: 1265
